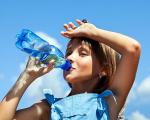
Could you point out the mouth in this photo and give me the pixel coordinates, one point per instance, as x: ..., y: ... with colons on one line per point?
x: 71, y: 69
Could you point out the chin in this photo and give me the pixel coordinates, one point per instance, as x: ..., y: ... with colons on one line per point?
x: 69, y: 78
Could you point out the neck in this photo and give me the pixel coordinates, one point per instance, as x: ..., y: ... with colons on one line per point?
x: 88, y: 86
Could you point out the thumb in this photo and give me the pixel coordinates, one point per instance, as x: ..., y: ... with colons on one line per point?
x: 68, y: 34
x: 49, y: 67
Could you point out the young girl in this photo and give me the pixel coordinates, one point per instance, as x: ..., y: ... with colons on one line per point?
x: 100, y: 78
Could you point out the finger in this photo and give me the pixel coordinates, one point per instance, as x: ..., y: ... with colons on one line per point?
x: 52, y: 61
x: 49, y: 67
x: 65, y: 34
x: 67, y: 27
x: 79, y: 22
x: 31, y: 61
x: 37, y: 62
x: 72, y: 25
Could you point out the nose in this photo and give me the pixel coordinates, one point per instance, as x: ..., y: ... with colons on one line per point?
x: 71, y: 58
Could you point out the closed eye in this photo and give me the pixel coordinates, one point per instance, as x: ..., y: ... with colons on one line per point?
x: 83, y: 53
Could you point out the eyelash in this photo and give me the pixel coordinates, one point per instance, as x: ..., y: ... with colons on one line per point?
x: 80, y: 54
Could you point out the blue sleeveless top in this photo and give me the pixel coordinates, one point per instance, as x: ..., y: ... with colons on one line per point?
x: 84, y: 106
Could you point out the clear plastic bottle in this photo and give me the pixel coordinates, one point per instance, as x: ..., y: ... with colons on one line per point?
x: 35, y: 46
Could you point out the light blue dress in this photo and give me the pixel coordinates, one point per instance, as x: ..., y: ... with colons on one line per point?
x: 84, y: 106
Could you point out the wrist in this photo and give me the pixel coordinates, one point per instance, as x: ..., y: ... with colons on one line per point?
x: 94, y: 34
x: 21, y: 85
x: 27, y: 77
x: 100, y: 35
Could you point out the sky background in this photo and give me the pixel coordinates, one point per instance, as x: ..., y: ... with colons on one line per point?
x: 46, y: 18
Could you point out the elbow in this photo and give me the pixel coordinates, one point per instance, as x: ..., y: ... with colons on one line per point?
x: 135, y: 49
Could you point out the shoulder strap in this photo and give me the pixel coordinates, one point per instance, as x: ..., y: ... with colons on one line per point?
x: 49, y: 96
x: 107, y: 93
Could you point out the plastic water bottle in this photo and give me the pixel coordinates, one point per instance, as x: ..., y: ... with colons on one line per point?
x: 35, y: 46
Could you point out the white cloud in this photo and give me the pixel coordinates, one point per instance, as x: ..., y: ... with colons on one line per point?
x: 53, y: 81
x: 144, y: 87
x: 132, y: 96
x: 140, y: 92
x: 1, y: 76
x: 138, y: 116
x: 23, y: 65
x: 139, y: 97
x: 49, y: 39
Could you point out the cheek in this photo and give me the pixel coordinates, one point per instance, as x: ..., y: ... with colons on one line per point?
x: 85, y: 67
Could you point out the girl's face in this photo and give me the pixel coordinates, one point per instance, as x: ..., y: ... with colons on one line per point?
x: 84, y: 63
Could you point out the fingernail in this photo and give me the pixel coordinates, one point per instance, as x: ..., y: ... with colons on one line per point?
x: 65, y: 24
x: 52, y: 61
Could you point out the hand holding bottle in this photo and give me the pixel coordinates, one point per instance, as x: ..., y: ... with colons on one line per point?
x: 40, y: 49
x: 35, y: 68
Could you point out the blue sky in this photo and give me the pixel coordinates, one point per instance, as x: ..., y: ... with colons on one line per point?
x: 46, y: 18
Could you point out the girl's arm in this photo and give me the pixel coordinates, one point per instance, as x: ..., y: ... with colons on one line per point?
x: 38, y: 111
x: 126, y: 70
x: 10, y: 102
x: 128, y: 48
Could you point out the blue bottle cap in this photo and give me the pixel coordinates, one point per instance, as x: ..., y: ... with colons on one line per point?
x: 66, y: 66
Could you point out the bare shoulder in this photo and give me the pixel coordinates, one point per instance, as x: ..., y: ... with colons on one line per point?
x: 38, y: 111
x: 43, y: 109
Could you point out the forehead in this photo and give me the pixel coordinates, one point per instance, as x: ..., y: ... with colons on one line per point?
x: 78, y: 43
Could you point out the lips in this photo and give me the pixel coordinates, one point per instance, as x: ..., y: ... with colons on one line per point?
x: 71, y: 69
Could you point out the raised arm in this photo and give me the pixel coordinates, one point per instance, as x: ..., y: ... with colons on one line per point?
x: 128, y: 48
x: 126, y: 70
x: 10, y: 102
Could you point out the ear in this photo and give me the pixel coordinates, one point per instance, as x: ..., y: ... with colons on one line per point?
x: 102, y: 72
x: 102, y: 76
